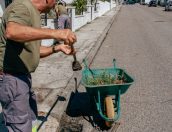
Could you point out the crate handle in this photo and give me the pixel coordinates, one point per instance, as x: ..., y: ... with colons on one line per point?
x: 85, y: 64
x: 87, y: 68
x: 114, y: 63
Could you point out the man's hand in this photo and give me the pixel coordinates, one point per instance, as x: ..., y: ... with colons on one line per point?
x: 65, y: 35
x: 46, y: 51
x: 66, y: 49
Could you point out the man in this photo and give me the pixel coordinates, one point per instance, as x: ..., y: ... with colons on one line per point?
x: 63, y: 18
x: 19, y: 56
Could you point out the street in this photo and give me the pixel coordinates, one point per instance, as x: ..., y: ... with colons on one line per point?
x: 140, y: 40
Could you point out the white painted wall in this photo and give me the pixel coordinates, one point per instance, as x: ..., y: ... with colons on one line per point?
x: 79, y: 21
x: 68, y: 1
x: 48, y: 42
x: 103, y: 7
x: 147, y: 1
x: 2, y: 8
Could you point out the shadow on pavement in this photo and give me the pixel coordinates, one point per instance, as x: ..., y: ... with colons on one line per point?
x: 44, y: 118
x: 80, y: 105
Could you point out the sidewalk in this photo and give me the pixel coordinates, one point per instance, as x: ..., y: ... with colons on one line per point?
x: 53, y: 81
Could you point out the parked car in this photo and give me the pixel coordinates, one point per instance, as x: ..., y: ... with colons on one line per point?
x: 152, y: 3
x: 131, y: 1
x: 168, y: 5
x: 162, y: 2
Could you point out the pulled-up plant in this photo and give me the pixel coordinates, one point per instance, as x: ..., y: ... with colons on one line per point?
x: 105, y: 78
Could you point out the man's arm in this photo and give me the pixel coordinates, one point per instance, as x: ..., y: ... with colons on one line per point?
x: 22, y: 33
x: 46, y: 51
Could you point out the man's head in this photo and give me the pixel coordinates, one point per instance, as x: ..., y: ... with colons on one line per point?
x: 62, y: 9
x: 44, y: 6
x: 49, y: 5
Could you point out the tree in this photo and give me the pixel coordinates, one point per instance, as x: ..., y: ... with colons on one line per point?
x: 80, y: 6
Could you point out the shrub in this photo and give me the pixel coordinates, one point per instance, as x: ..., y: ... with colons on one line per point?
x: 80, y: 6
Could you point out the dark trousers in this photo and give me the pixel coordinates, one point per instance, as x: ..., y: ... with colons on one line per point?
x: 18, y: 102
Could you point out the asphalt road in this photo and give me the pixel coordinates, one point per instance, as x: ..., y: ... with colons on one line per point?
x: 141, y: 41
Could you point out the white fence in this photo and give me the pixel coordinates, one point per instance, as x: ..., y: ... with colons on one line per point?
x: 80, y: 20
x: 147, y: 1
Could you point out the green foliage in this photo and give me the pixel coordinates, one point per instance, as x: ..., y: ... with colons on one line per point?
x: 80, y: 6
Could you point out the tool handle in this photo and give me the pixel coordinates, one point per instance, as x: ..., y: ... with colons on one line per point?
x: 74, y: 55
x: 86, y: 64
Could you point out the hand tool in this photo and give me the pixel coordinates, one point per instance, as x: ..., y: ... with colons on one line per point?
x: 76, y: 66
